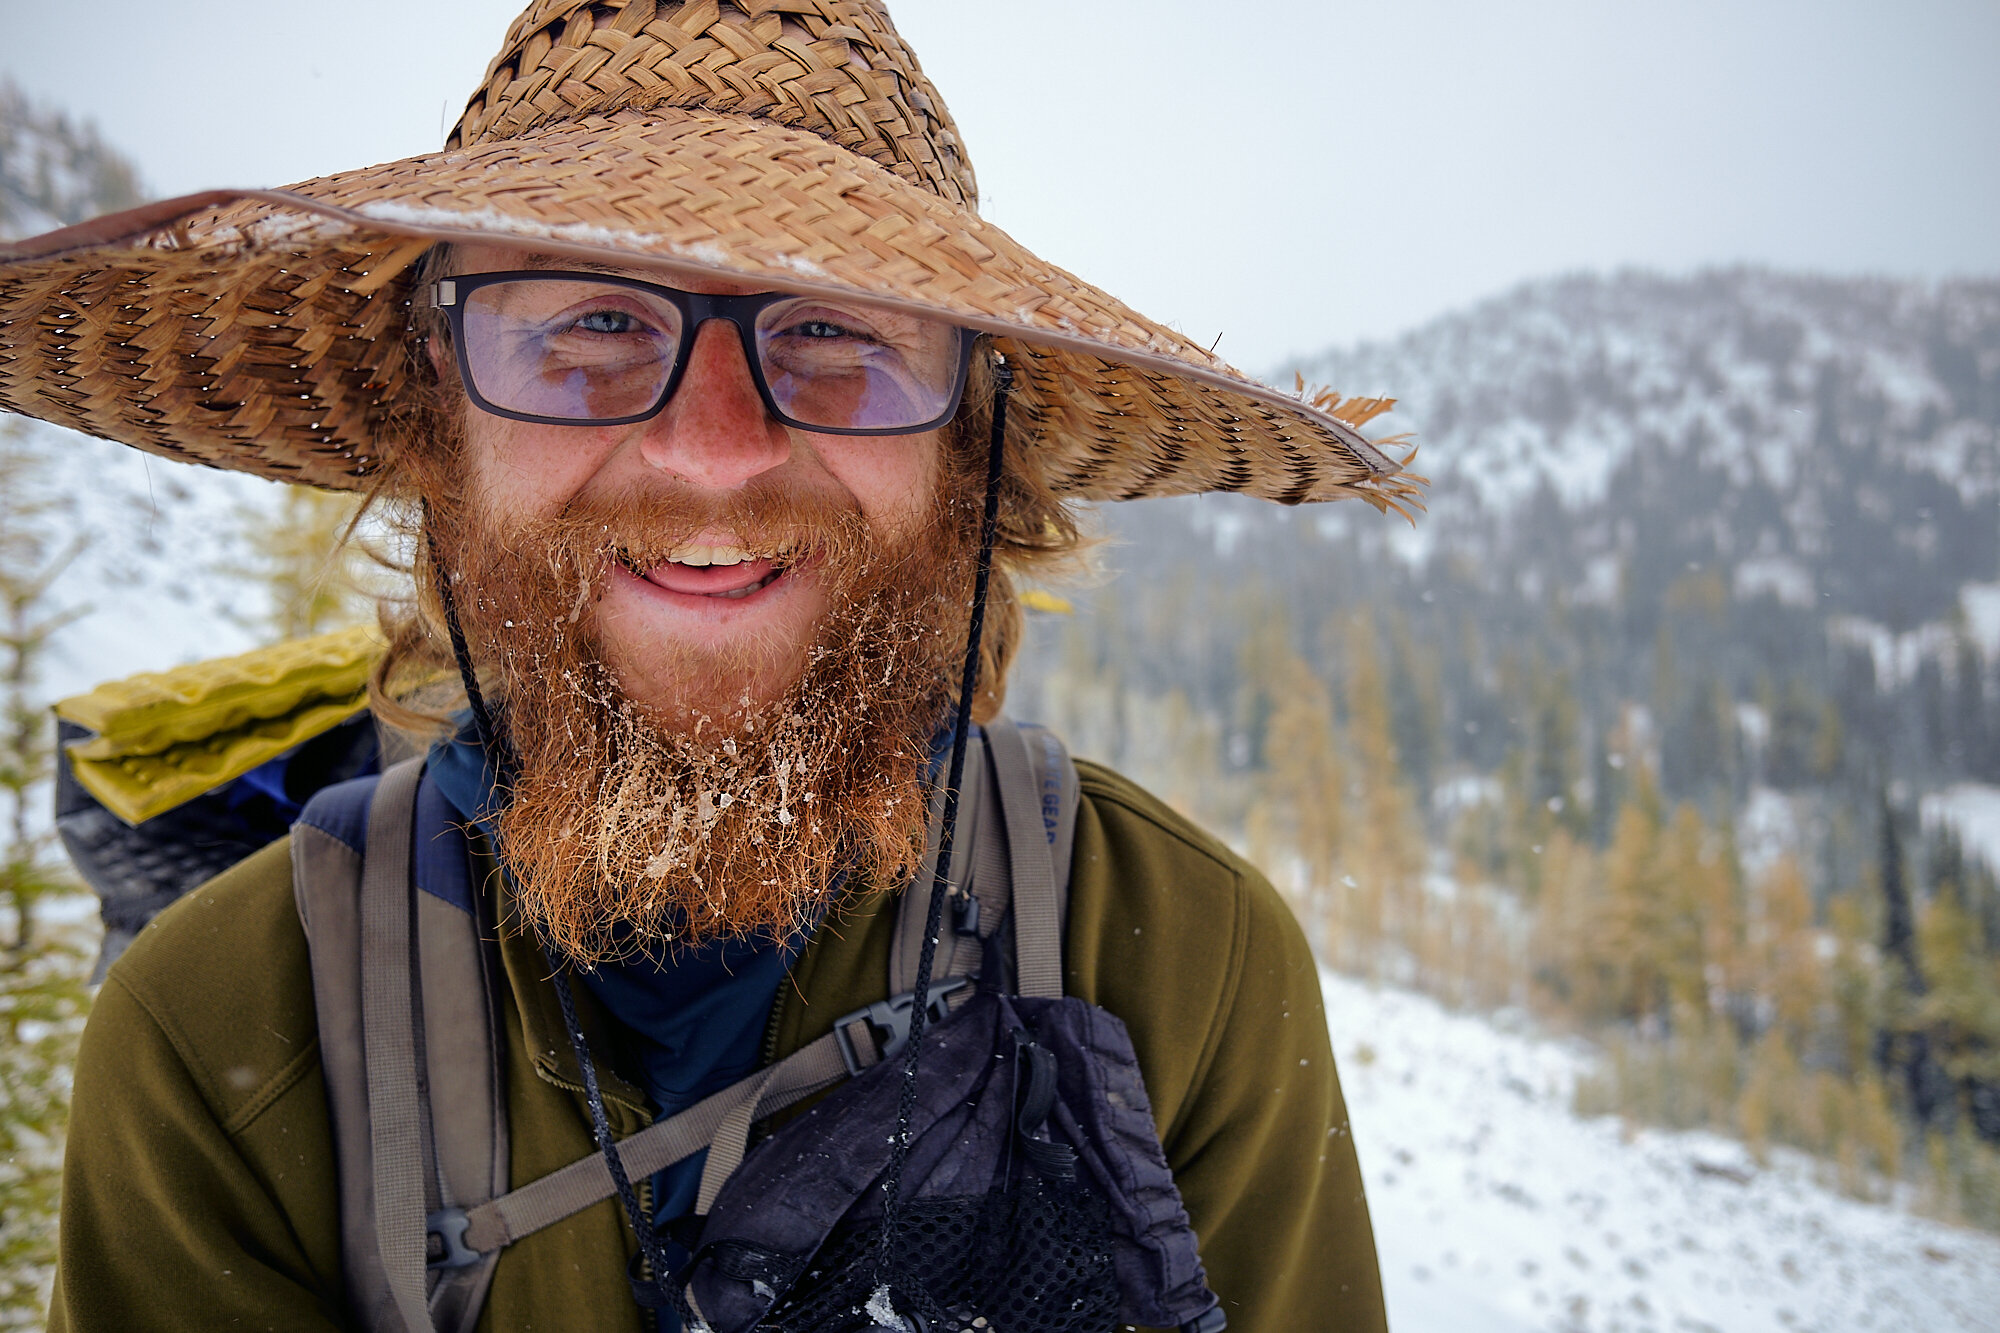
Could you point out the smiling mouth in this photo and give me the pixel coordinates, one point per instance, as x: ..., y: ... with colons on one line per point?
x: 728, y: 573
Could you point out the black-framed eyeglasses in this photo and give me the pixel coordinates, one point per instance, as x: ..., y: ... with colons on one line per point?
x: 579, y: 349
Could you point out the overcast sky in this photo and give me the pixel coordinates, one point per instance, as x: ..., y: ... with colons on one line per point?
x: 1287, y: 175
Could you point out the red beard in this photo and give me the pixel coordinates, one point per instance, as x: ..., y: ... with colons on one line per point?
x: 651, y: 829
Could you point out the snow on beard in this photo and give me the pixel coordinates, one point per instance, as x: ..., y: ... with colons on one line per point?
x: 635, y: 830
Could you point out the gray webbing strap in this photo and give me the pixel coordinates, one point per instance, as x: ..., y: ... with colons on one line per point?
x: 908, y: 941
x: 1032, y: 802
x: 468, y: 1112
x: 388, y: 998
x: 582, y: 1183
x: 326, y: 886
x: 1037, y: 914
x: 732, y: 1139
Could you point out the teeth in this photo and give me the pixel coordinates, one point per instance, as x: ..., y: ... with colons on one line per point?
x: 700, y: 557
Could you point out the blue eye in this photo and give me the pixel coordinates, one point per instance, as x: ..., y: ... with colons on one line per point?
x: 607, y: 321
x: 819, y: 328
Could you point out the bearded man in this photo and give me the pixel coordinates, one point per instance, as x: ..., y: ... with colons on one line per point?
x: 723, y: 430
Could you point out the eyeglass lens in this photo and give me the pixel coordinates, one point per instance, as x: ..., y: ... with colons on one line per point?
x: 581, y: 350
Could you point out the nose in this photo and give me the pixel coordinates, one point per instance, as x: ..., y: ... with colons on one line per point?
x: 714, y: 431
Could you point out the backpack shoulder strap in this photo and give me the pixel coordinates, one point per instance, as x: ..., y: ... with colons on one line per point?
x: 327, y: 847
x: 1017, y: 826
x: 434, y: 1139
x: 1038, y: 791
x: 957, y: 957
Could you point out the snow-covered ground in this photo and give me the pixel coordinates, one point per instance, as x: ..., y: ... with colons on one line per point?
x: 1498, y: 1211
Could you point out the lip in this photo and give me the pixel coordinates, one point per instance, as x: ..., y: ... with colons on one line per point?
x: 688, y: 601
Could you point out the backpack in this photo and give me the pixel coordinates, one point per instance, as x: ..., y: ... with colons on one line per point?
x: 167, y: 779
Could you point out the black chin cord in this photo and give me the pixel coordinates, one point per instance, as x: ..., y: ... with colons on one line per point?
x: 892, y: 1184
x: 600, y: 1121
x: 482, y: 716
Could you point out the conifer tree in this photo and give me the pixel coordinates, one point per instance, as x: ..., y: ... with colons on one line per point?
x: 1416, y: 704
x: 1856, y: 979
x: 1899, y: 920
x: 1624, y: 960
x: 1263, y: 671
x: 1556, y: 746
x: 1907, y: 1048
x: 1569, y: 921
x: 1304, y: 774
x: 1960, y: 1010
x: 1725, y: 925
x: 1786, y: 960
x: 300, y: 553
x: 43, y: 991
x: 1694, y: 897
x: 1385, y: 854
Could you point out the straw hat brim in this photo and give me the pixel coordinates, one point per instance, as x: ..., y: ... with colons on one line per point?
x: 265, y: 330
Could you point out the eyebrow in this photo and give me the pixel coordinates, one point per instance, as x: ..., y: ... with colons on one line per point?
x: 540, y: 259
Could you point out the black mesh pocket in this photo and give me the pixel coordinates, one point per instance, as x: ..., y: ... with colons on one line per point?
x: 1033, y: 1259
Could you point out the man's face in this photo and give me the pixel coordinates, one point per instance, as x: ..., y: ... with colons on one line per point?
x: 710, y: 625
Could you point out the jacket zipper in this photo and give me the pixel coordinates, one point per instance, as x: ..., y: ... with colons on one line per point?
x: 769, y: 1053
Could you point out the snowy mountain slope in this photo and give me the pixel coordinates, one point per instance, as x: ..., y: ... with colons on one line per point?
x: 1556, y: 380
x: 1497, y: 1210
x: 1972, y: 809
x: 54, y: 172
x: 1831, y: 442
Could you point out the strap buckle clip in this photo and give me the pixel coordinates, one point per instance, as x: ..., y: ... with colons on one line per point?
x: 444, y: 1240
x: 887, y: 1023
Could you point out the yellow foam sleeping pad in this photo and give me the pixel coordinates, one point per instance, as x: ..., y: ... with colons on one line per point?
x: 1035, y: 599
x: 162, y: 738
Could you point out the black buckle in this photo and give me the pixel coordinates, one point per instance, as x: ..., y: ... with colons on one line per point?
x: 444, y: 1240
x: 889, y: 1023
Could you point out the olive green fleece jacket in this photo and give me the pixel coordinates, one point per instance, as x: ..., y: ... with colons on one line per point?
x: 200, y: 1191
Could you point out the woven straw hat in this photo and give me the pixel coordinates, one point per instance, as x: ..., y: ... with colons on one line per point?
x: 792, y: 143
